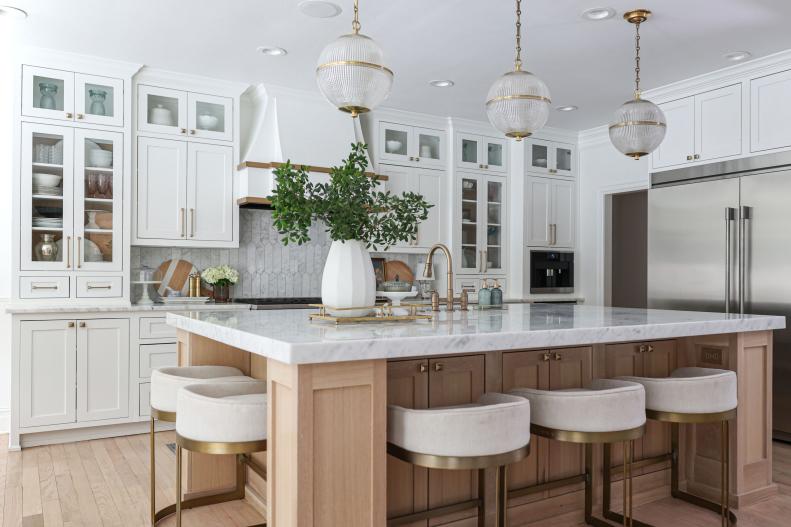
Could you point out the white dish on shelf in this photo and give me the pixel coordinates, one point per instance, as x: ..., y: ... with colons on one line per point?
x: 100, y: 158
x: 393, y: 145
x: 207, y: 121
x: 92, y: 252
x: 47, y: 180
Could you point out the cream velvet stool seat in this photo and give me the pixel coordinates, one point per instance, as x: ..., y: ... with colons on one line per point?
x: 692, y: 396
x: 608, y: 411
x: 492, y: 433
x: 221, y: 418
x: 165, y: 384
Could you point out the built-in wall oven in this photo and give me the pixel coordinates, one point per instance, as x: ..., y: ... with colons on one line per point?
x: 551, y: 272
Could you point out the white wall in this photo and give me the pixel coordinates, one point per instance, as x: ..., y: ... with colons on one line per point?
x: 602, y: 170
x: 8, y: 43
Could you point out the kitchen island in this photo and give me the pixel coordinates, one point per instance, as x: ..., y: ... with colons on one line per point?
x: 329, y: 387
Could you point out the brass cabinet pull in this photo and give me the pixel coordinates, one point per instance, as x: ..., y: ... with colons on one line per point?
x: 192, y: 223
x: 546, y: 357
x: 69, y: 115
x: 71, y: 324
x: 689, y: 158
x: 80, y: 116
x: 35, y: 287
x: 696, y: 156
x: 650, y: 348
x: 423, y: 367
x: 183, y: 222
x: 485, y: 261
x: 79, y: 252
x: 183, y: 130
x: 438, y: 366
x: 558, y: 356
x: 108, y: 286
x: 417, y: 159
x: 192, y: 132
x: 68, y: 252
x: 82, y: 324
x: 641, y: 348
x: 553, y: 171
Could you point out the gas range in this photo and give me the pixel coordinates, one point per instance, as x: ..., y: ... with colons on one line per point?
x: 295, y: 302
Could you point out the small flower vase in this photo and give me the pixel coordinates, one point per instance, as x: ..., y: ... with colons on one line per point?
x: 221, y: 293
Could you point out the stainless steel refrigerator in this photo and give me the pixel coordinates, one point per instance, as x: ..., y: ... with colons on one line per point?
x: 719, y: 239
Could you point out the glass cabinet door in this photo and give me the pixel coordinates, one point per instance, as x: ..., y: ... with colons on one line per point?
x: 395, y: 143
x: 46, y: 197
x: 470, y: 252
x: 430, y: 146
x: 564, y: 156
x: 537, y: 156
x: 210, y: 117
x: 161, y: 110
x: 495, y: 155
x: 468, y: 151
x: 495, y: 212
x: 97, y: 199
x: 99, y: 100
x: 47, y: 93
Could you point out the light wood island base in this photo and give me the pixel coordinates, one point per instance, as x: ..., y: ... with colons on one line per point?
x: 327, y: 464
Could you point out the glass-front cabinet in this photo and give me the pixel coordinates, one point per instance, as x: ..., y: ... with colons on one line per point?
x: 546, y: 157
x: 411, y: 145
x: 68, y: 96
x: 481, y: 225
x: 210, y: 116
x: 176, y: 112
x: 71, y: 205
x: 478, y: 152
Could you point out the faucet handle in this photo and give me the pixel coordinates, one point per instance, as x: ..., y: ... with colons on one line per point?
x: 434, y: 301
x: 464, y: 300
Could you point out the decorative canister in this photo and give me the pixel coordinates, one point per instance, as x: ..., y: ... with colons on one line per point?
x: 97, y: 105
x: 161, y: 115
x: 497, y: 294
x: 485, y: 294
x: 47, y: 249
x: 48, y: 90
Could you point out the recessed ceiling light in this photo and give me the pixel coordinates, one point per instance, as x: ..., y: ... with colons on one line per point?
x: 442, y: 83
x: 567, y: 108
x: 319, y: 8
x: 272, y: 51
x: 737, y: 56
x: 598, y: 13
x: 12, y: 12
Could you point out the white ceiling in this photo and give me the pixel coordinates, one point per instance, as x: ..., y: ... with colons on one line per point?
x: 588, y: 64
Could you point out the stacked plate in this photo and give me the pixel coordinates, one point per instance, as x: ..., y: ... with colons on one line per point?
x: 49, y: 223
x: 45, y: 190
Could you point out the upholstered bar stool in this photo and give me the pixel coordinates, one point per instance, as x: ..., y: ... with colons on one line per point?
x: 221, y: 418
x: 609, y: 411
x: 492, y: 433
x: 694, y: 396
x: 165, y: 384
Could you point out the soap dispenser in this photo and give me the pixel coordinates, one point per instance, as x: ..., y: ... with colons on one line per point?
x: 496, y: 294
x: 485, y: 294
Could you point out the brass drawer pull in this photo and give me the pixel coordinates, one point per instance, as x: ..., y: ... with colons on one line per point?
x: 71, y: 324
x: 34, y: 287
x: 423, y: 367
x: 83, y: 324
x: 546, y: 357
x: 558, y: 356
x: 438, y: 366
x: 100, y: 286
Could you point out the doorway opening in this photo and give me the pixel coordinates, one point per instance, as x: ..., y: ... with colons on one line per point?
x: 626, y: 249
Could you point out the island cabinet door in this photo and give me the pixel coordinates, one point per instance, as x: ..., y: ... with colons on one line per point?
x: 407, y: 485
x: 454, y: 381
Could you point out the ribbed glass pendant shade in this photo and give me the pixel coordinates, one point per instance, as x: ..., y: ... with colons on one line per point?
x: 638, y: 128
x: 351, y: 74
x: 518, y: 104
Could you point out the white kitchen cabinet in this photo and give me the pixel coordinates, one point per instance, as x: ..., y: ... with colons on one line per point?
x: 411, y: 145
x: 210, y: 116
x: 98, y: 100
x: 549, y: 158
x: 178, y: 112
x: 551, y: 212
x: 770, y: 112
x: 427, y: 183
x: 161, y: 188
x: 481, y: 153
x: 480, y: 224
x: 47, y: 372
x: 210, y: 200
x: 701, y: 128
x: 102, y: 369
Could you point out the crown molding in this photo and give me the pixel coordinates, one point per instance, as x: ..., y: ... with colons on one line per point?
x: 594, y: 136
x: 58, y: 59
x: 190, y: 82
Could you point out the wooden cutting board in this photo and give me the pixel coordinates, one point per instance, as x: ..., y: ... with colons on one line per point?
x: 175, y: 275
x: 398, y: 270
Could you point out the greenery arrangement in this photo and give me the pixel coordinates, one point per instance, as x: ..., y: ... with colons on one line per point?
x: 220, y: 275
x: 349, y: 205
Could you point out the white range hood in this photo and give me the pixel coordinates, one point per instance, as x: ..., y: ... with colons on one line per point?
x: 291, y: 125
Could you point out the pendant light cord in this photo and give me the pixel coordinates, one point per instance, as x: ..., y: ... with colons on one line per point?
x: 356, y: 21
x: 518, y: 61
x: 637, y: 61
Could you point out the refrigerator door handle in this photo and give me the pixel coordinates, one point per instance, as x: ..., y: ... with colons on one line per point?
x: 744, y: 217
x: 730, y: 215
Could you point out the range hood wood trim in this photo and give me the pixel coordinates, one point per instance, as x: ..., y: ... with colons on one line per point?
x: 276, y: 164
x: 250, y: 200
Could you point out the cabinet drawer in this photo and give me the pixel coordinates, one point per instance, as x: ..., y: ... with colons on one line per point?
x: 154, y: 356
x: 43, y: 287
x: 99, y: 286
x: 156, y: 328
x: 144, y: 399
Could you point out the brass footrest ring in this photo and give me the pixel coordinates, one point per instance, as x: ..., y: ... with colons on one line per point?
x: 192, y: 503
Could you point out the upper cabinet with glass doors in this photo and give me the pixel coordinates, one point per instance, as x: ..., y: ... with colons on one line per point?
x: 481, y: 153
x: 411, y: 145
x: 177, y: 112
x: 547, y: 157
x: 68, y: 96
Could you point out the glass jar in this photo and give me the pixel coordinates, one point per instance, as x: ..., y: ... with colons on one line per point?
x: 47, y: 249
x: 48, y: 91
x: 97, y: 105
x: 221, y: 293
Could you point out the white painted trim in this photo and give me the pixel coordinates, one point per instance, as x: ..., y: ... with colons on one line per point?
x: 64, y: 60
x: 84, y: 434
x: 594, y: 137
x: 5, y: 420
x: 188, y: 82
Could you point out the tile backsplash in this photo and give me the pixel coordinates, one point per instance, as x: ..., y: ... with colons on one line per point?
x: 266, y: 267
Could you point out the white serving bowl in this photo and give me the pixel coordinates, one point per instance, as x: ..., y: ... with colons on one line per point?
x: 46, y: 180
x: 393, y: 145
x: 100, y: 158
x: 207, y: 121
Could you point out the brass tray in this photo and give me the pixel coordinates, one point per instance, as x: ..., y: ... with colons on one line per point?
x: 382, y: 313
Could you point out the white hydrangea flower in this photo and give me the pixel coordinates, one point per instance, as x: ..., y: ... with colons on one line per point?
x: 220, y: 274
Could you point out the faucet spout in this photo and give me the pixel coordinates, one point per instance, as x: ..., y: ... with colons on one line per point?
x: 428, y: 270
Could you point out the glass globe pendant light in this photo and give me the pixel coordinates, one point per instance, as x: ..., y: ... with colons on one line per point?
x: 350, y: 73
x: 518, y: 102
x: 639, y: 125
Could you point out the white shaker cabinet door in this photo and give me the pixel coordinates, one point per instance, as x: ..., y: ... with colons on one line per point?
x: 678, y: 146
x: 538, y: 201
x: 770, y: 112
x: 718, y: 123
x: 400, y: 179
x: 210, y: 199
x: 47, y: 372
x: 102, y: 369
x: 161, y: 188
x: 429, y: 185
x: 563, y: 217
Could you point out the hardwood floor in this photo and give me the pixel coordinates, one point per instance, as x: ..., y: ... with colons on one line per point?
x: 105, y: 483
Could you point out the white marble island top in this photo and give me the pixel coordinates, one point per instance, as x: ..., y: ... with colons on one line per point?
x: 288, y: 336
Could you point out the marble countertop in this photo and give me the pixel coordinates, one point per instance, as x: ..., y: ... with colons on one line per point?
x: 288, y: 336
x: 47, y: 309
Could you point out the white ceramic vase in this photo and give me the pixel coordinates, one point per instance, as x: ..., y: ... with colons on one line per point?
x: 348, y: 279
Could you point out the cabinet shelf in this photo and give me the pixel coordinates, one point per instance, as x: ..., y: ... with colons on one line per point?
x: 99, y: 200
x: 47, y: 229
x: 47, y: 165
x: 99, y: 231
x: 47, y: 196
x: 106, y: 170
